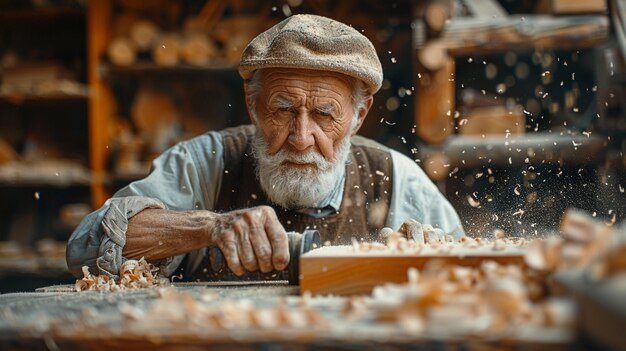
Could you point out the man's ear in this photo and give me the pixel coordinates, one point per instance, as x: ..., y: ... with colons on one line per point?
x: 363, y: 113
x: 248, y: 97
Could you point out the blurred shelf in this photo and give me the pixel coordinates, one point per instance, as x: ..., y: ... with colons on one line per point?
x: 46, y: 260
x: 21, y: 99
x: 147, y: 67
x: 34, y: 266
x: 26, y: 183
x: 126, y: 176
x: 52, y: 13
x: 55, y: 173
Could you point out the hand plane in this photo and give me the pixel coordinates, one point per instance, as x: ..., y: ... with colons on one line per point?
x: 299, y: 244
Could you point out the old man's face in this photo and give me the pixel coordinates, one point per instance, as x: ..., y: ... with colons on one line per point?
x: 304, y: 121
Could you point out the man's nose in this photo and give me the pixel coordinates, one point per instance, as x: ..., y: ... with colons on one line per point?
x: 301, y: 133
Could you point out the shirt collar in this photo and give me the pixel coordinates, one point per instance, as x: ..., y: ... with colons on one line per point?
x: 330, y: 204
x: 334, y: 198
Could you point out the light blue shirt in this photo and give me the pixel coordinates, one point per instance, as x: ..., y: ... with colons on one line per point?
x: 181, y: 179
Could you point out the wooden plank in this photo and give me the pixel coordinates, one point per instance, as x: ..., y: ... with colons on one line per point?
x: 184, y: 318
x: 578, y: 6
x: 485, y: 8
x: 353, y: 273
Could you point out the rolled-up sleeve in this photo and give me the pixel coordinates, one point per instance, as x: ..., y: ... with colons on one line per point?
x: 115, y: 225
x: 98, y: 241
x: 415, y: 196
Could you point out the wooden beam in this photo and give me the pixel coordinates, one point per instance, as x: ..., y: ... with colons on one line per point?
x: 485, y: 8
x: 494, y: 151
x: 464, y: 36
x: 100, y: 97
x: 570, y: 7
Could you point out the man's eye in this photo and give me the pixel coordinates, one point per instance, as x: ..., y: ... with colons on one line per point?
x: 284, y: 109
x: 324, y: 113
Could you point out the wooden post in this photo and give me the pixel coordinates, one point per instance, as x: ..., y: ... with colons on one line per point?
x: 100, y: 98
x: 434, y: 103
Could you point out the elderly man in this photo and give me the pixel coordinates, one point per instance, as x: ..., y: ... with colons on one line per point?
x: 308, y: 84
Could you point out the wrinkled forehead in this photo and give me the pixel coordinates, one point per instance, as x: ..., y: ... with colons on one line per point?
x: 303, y: 80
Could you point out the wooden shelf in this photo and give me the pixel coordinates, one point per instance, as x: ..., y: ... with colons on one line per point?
x: 42, y: 183
x: 126, y: 177
x: 52, y: 13
x: 20, y: 99
x: 44, y: 173
x: 35, y: 266
x: 217, y: 67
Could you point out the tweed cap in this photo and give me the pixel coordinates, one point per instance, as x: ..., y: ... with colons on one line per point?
x: 314, y: 42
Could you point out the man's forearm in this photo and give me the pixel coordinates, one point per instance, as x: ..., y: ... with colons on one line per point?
x: 156, y: 233
x: 250, y: 239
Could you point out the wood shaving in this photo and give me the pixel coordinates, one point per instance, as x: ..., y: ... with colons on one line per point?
x: 178, y: 309
x: 438, y: 244
x: 585, y: 243
x: 134, y: 274
x: 450, y: 299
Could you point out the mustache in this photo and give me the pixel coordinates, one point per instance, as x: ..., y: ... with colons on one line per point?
x: 311, y: 157
x: 289, y: 186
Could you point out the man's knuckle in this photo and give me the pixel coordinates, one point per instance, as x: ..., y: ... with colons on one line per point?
x: 248, y: 216
x: 266, y: 210
x: 248, y: 259
x: 238, y: 227
x: 250, y: 266
x: 228, y: 245
x: 264, y: 255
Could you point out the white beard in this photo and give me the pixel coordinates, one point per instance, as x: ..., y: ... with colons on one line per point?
x: 291, y: 187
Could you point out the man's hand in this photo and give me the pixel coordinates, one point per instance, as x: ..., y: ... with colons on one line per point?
x: 421, y: 233
x: 412, y: 229
x: 251, y: 239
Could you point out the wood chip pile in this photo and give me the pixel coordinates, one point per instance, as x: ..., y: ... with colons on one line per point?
x: 134, y: 274
x: 184, y: 310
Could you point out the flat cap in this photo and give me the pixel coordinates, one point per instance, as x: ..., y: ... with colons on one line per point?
x: 314, y: 42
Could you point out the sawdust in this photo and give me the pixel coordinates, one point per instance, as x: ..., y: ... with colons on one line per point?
x: 465, y: 246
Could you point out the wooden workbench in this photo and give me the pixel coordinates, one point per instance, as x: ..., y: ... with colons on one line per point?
x: 56, y: 318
